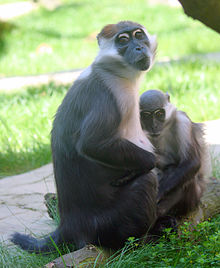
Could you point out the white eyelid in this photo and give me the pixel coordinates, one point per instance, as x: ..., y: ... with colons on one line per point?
x: 123, y: 35
x: 137, y: 31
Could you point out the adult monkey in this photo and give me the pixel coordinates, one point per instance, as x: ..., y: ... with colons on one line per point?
x: 97, y: 137
x: 183, y: 156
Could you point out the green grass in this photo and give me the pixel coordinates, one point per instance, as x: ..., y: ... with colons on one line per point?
x: 26, y: 121
x: 193, y: 86
x: 11, y: 1
x: 11, y: 256
x: 195, y: 248
x: 26, y: 116
x: 20, y: 259
x: 71, y: 30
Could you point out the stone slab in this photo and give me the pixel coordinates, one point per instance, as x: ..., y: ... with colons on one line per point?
x: 22, y: 206
x: 212, y: 136
x: 18, y: 82
x: 11, y: 10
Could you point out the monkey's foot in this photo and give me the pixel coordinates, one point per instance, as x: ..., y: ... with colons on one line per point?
x: 163, y: 223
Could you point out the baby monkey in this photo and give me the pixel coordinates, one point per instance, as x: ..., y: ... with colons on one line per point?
x: 183, y: 158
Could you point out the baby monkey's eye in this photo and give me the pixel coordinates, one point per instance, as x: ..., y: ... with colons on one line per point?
x: 139, y: 34
x: 160, y: 114
x: 146, y: 115
x: 123, y: 38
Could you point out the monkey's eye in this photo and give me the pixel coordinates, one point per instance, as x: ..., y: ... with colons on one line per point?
x: 123, y: 38
x: 145, y: 115
x: 139, y: 34
x: 160, y: 114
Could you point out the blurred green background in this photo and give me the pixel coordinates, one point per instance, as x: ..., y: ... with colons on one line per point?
x: 65, y: 38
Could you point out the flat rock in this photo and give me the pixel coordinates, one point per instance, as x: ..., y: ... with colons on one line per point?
x: 85, y: 257
x: 17, y: 82
x: 212, y: 137
x: 11, y: 10
x: 21, y: 203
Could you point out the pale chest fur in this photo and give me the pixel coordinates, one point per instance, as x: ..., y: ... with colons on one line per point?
x: 132, y: 131
x: 130, y: 126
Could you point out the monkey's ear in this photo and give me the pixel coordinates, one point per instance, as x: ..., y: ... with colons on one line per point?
x: 98, y: 38
x: 168, y: 96
x: 153, y: 42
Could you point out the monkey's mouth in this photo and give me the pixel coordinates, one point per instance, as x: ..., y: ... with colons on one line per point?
x: 155, y: 135
x: 143, y: 63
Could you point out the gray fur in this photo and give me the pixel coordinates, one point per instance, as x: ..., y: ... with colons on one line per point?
x: 96, y: 139
x: 153, y: 99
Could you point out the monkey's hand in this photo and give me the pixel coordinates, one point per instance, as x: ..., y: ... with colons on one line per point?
x: 164, y: 188
x: 163, y: 223
x: 176, y: 177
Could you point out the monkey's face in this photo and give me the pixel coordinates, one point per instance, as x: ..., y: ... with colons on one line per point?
x: 153, y: 121
x: 133, y: 45
x: 126, y: 49
x: 155, y: 111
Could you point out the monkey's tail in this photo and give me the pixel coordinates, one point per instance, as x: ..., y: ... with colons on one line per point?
x: 31, y: 244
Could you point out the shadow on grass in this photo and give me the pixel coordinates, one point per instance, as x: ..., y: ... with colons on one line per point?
x: 59, y: 11
x: 58, y: 35
x: 13, y: 163
x: 14, y: 158
x: 5, y: 27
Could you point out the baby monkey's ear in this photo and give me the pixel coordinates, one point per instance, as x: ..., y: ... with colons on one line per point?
x: 168, y: 96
